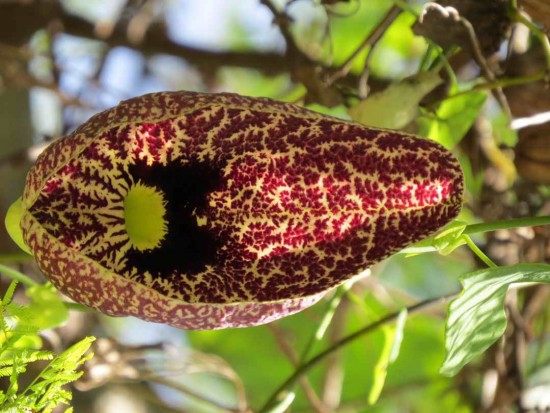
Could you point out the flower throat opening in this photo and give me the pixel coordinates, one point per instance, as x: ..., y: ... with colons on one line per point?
x: 161, y: 214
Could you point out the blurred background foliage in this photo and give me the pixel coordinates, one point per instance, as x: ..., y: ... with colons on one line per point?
x: 62, y: 61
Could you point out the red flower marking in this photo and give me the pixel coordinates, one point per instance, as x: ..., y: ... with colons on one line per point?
x: 268, y: 206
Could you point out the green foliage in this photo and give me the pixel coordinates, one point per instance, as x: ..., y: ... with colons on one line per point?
x: 46, y: 309
x: 20, y: 347
x: 445, y: 242
x: 477, y: 318
x: 397, y: 105
x: 13, y: 217
x: 378, y: 372
x: 453, y: 118
x: 392, y: 338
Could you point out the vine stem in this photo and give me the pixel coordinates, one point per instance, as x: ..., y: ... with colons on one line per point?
x: 17, y: 275
x: 285, y: 388
x: 506, y: 224
x: 480, y: 254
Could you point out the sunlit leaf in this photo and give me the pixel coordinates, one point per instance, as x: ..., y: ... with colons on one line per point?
x: 13, y: 217
x: 453, y: 119
x: 397, y: 105
x: 47, y: 310
x: 393, y: 336
x: 444, y: 242
x: 477, y: 319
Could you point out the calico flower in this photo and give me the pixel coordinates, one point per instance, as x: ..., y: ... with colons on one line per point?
x: 207, y: 211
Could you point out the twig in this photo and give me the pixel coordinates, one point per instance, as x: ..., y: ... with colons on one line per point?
x: 157, y: 41
x: 191, y: 393
x: 282, y: 20
x: 452, y: 13
x: 371, y: 39
x: 518, y: 16
x: 17, y: 275
x: 364, y: 77
x: 334, y: 375
x: 502, y: 82
x: 506, y: 224
x: 308, y: 365
x: 482, y: 62
x: 308, y: 389
x: 141, y: 21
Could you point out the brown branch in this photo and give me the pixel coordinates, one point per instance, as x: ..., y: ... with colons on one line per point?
x: 156, y: 41
x: 153, y: 41
x: 283, y: 20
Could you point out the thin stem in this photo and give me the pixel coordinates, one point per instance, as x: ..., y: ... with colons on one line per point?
x: 17, y: 275
x: 506, y: 224
x: 312, y: 397
x: 78, y: 307
x: 191, y: 393
x: 502, y: 82
x: 373, y: 37
x: 406, y: 7
x: 483, y: 64
x: 327, y: 318
x: 15, y: 257
x: 480, y: 254
x: 537, y: 32
x: 308, y: 365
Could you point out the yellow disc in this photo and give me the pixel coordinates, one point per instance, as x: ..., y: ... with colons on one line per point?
x: 144, y: 215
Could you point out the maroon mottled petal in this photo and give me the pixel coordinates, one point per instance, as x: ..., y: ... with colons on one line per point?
x: 291, y: 204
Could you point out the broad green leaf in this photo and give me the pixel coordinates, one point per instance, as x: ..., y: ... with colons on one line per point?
x: 397, y: 105
x: 453, y: 119
x: 393, y: 336
x: 47, y: 310
x: 504, y: 134
x: 476, y: 319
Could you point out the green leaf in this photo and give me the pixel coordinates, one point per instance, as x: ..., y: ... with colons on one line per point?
x: 454, y: 117
x: 397, y: 105
x: 9, y: 293
x: 450, y: 238
x: 13, y: 218
x: 393, y: 336
x: 46, y: 391
x: 47, y: 310
x: 445, y: 242
x: 476, y: 319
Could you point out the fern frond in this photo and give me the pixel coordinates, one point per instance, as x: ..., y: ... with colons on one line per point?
x: 8, y: 296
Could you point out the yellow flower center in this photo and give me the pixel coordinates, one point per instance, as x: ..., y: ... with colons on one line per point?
x: 144, y: 213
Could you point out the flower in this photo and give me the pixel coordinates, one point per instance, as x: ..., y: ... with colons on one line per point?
x: 207, y: 211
